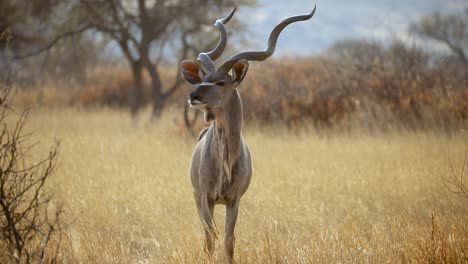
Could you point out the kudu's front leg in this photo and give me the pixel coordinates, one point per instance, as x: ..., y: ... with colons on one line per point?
x: 229, y: 239
x: 206, y: 210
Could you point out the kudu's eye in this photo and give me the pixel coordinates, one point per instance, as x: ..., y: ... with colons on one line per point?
x: 221, y: 83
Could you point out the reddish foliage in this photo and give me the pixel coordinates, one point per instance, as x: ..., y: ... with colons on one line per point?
x: 372, y: 86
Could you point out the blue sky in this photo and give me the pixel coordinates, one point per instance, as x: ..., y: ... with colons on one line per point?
x: 337, y: 20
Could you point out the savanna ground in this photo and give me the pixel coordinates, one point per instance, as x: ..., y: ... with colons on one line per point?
x: 314, y: 197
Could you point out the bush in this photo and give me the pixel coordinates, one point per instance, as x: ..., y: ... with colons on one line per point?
x: 355, y: 84
x: 30, y: 226
x: 360, y: 84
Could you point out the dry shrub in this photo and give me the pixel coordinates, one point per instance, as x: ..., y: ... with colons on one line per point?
x: 456, y: 180
x: 355, y: 84
x: 107, y: 87
x: 440, y: 246
x: 30, y: 224
x: 360, y: 84
x: 51, y: 94
x: 294, y: 92
x: 112, y: 88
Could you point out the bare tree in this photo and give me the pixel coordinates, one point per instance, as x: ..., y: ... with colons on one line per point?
x: 44, y: 43
x: 23, y: 20
x: 451, y: 30
x: 136, y: 26
x: 29, y: 223
x: 140, y: 29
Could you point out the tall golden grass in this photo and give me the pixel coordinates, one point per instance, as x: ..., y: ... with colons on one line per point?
x: 314, y: 198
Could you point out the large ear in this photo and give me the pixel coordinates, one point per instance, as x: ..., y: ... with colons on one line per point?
x: 192, y: 72
x: 239, y: 70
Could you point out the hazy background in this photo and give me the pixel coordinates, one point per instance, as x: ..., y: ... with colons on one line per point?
x: 354, y: 64
x: 337, y: 20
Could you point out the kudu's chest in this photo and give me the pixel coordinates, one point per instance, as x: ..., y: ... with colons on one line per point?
x: 218, y: 167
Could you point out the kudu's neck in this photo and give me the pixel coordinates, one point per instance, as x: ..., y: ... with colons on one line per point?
x: 228, y: 123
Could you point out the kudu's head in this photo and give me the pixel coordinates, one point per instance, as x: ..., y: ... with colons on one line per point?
x: 214, y: 87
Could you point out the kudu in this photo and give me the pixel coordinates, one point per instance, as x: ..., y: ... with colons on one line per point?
x: 221, y: 167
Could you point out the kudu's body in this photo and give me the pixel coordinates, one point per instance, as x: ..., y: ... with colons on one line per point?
x: 221, y: 170
x: 221, y: 167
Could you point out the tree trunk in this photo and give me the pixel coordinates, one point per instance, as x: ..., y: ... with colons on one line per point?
x: 136, y: 94
x: 158, y: 97
x: 158, y: 100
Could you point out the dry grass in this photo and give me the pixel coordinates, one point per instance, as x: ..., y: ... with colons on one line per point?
x: 313, y: 199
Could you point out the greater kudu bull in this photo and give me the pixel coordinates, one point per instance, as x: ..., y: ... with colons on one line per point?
x: 221, y: 166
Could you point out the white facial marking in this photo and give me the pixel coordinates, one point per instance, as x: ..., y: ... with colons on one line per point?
x: 196, y: 104
x: 206, y: 84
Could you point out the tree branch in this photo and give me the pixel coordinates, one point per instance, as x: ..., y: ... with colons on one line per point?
x: 52, y: 43
x: 178, y: 79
